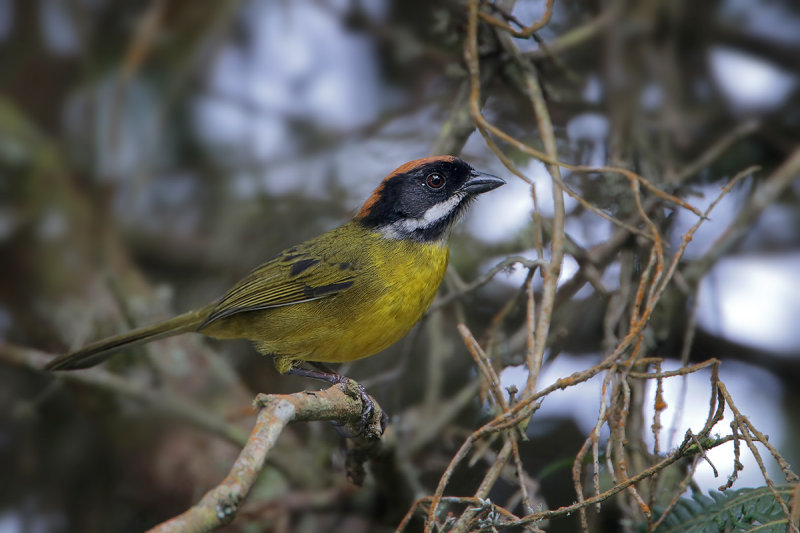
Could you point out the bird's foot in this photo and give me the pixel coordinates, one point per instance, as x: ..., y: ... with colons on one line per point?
x: 368, y: 409
x: 353, y: 388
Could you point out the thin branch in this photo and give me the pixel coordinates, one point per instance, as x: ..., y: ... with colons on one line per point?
x: 765, y: 195
x: 219, y: 505
x: 160, y: 401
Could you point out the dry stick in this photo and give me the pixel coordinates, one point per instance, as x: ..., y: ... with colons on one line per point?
x: 522, y: 411
x: 622, y: 463
x: 505, y: 421
x: 656, y: 257
x: 162, y: 402
x: 553, y: 270
x: 648, y: 278
x: 463, y: 522
x: 796, y: 504
x: 432, y: 428
x: 747, y: 428
x: 578, y: 35
x: 537, y: 333
x: 616, y: 439
x: 657, y: 284
x: 474, y: 72
x: 644, y: 474
x: 486, y: 278
x: 530, y: 333
x: 591, y: 442
x: 526, y: 31
x: 682, y: 487
x: 657, y: 289
x: 715, y: 413
x: 716, y: 403
x: 657, y: 251
x: 485, y: 366
x: 468, y: 500
x: 438, y: 495
x: 683, y: 371
x: 689, y: 235
x: 634, y: 334
x: 474, y: 104
x: 550, y: 274
x: 521, y: 475
x: 615, y: 447
x: 790, y: 476
x: 717, y: 149
x: 683, y: 450
x: 659, y: 405
x: 663, y: 280
x: 484, y: 127
x: 688, y: 339
x: 218, y: 507
x: 766, y: 194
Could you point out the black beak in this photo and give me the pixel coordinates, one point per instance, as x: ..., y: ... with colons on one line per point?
x: 480, y: 182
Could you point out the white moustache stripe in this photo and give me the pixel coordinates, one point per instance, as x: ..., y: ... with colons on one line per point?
x: 434, y: 214
x: 437, y: 212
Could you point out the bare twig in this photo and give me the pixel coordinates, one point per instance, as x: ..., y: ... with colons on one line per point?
x: 219, y: 505
x: 160, y: 401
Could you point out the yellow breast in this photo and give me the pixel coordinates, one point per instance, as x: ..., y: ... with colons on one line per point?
x: 402, y: 286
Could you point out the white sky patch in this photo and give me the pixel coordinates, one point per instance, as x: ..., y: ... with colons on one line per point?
x: 309, y: 176
x: 588, y: 229
x: 501, y: 213
x: 746, y: 385
x: 580, y: 402
x: 719, y: 220
x: 308, y: 64
x: 220, y: 123
x: 593, y: 90
x: 748, y: 82
x: 58, y: 28
x: 772, y: 21
x: 652, y: 97
x: 301, y: 64
x: 516, y: 277
x: 754, y: 300
x: 6, y: 18
x: 544, y: 189
x: 508, y: 209
x: 6, y: 323
x: 590, y: 129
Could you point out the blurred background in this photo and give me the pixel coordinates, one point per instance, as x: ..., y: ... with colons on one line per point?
x: 151, y: 153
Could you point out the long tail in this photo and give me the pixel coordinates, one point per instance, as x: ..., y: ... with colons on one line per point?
x: 97, y: 352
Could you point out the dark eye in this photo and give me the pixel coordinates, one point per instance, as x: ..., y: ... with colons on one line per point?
x: 435, y: 181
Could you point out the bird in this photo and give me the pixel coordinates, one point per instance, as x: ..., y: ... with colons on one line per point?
x: 344, y: 295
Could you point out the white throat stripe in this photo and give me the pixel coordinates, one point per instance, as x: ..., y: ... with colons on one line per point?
x: 433, y: 215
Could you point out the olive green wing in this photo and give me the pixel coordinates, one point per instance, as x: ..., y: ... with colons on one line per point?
x: 291, y: 278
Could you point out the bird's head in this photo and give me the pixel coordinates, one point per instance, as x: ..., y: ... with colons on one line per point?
x: 422, y: 199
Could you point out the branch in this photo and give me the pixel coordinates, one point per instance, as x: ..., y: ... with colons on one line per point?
x: 766, y: 194
x: 339, y: 403
x: 160, y: 401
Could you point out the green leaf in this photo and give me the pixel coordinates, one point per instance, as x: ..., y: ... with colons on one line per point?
x: 733, y: 511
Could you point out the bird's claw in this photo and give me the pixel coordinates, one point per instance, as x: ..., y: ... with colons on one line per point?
x: 351, y: 387
x: 367, y: 408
